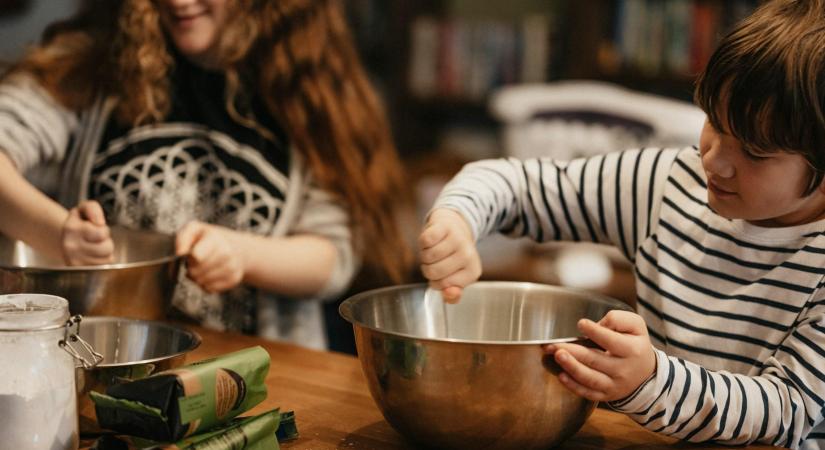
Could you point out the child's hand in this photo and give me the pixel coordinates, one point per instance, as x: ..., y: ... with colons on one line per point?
x: 617, y: 371
x: 449, y: 258
x: 211, y: 259
x: 86, y: 240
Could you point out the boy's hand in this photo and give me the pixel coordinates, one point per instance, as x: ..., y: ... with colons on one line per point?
x: 617, y: 371
x: 448, y: 254
x: 86, y: 240
x: 211, y: 259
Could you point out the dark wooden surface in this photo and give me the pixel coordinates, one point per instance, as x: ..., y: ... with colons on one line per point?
x: 334, y: 410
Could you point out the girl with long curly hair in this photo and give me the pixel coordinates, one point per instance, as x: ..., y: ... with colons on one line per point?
x: 247, y: 127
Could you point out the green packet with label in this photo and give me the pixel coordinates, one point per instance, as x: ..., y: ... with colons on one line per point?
x: 261, y: 432
x: 177, y: 403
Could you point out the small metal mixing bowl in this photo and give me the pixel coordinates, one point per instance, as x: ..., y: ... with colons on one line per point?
x: 131, y: 349
x: 473, y: 374
x: 139, y: 284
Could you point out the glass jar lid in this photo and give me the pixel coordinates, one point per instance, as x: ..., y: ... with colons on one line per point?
x: 19, y: 312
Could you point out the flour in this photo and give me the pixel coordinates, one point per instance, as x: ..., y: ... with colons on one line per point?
x: 45, y: 421
x: 38, y: 399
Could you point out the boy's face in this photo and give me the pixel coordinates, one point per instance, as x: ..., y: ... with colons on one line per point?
x: 764, y: 190
x: 195, y: 27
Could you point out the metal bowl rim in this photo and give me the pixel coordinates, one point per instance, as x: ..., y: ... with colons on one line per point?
x: 103, y: 267
x: 345, y: 310
x: 97, y: 268
x: 196, y: 339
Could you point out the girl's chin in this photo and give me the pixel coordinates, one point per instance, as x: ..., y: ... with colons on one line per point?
x: 192, y: 42
x: 193, y: 50
x: 192, y: 46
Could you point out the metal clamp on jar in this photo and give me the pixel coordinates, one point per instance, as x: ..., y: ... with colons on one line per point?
x: 39, y: 344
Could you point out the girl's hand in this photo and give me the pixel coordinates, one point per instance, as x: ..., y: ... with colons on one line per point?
x: 617, y: 371
x: 448, y: 254
x: 212, y: 260
x: 86, y: 240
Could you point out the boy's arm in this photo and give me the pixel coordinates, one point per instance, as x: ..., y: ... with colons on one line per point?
x: 607, y: 199
x: 778, y: 406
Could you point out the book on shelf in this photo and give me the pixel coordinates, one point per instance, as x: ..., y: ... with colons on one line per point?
x: 464, y: 59
x: 424, y: 50
x: 672, y: 37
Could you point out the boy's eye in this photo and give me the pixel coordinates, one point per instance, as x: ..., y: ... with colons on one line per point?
x: 753, y: 157
x: 753, y: 154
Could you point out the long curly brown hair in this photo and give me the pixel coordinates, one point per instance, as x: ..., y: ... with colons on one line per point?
x: 297, y: 55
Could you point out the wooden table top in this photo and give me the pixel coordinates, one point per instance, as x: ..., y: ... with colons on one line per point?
x: 334, y: 409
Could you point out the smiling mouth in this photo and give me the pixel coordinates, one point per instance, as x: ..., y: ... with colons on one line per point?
x: 187, y: 17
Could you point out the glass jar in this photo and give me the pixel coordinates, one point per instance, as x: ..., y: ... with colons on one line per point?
x: 38, y: 399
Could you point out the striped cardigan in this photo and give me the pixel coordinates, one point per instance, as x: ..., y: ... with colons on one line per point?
x: 735, y: 311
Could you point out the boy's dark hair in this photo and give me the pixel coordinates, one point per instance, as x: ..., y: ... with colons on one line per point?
x: 768, y: 77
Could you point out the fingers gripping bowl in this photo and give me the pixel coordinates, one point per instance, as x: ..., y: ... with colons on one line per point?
x: 138, y: 284
x: 472, y: 374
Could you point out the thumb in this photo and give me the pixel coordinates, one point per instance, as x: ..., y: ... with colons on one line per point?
x: 92, y: 211
x: 187, y: 236
x: 451, y: 294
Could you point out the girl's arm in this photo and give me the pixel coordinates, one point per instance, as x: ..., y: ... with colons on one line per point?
x: 316, y: 260
x: 35, y: 129
x: 77, y: 237
x: 219, y: 259
x: 28, y: 214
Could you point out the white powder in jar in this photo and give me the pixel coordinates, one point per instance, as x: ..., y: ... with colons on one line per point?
x: 46, y: 421
x: 38, y: 399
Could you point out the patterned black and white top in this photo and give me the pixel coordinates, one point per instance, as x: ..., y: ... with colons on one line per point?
x: 736, y: 312
x: 198, y: 164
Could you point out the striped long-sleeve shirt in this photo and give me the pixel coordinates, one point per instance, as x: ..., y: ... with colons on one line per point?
x: 736, y: 312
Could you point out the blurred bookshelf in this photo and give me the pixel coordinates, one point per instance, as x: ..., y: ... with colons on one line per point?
x: 436, y: 61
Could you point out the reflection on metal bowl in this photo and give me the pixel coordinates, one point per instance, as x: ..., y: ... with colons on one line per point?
x: 138, y: 284
x: 472, y: 374
x: 131, y: 349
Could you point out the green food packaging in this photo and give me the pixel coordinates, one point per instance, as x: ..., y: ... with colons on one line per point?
x: 261, y: 432
x: 173, y: 404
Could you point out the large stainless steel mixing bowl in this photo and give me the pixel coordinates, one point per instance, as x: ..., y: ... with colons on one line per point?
x: 138, y: 284
x: 131, y: 349
x: 472, y: 374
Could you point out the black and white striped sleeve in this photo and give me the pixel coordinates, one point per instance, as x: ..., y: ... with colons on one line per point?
x: 609, y: 199
x: 778, y: 406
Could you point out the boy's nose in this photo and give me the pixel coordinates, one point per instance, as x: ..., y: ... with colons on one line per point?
x: 716, y: 163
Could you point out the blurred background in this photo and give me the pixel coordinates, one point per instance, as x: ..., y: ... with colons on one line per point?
x: 469, y: 79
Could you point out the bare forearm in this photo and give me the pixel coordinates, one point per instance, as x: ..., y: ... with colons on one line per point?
x: 28, y: 214
x: 297, y: 266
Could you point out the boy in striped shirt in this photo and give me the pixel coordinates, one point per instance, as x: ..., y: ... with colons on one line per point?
x: 727, y: 240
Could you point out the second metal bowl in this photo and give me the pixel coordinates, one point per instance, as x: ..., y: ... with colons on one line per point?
x: 131, y: 349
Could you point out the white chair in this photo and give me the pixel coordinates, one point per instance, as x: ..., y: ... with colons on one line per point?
x: 568, y: 119
x: 571, y: 119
